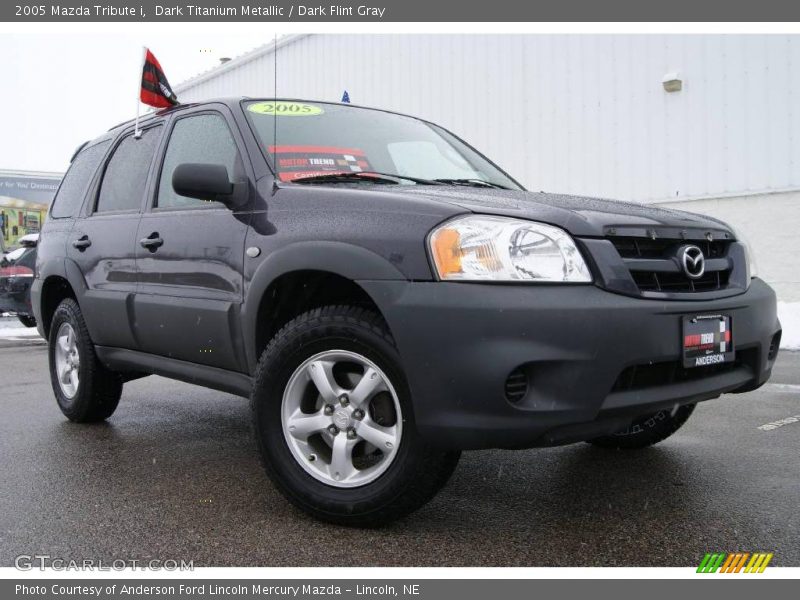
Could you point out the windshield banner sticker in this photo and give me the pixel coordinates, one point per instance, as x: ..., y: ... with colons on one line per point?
x: 309, y: 161
x: 285, y: 109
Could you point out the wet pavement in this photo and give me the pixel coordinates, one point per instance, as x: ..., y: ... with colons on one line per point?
x: 174, y: 475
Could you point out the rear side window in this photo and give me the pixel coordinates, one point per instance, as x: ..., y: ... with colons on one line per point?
x: 124, y: 180
x: 201, y: 138
x: 73, y: 188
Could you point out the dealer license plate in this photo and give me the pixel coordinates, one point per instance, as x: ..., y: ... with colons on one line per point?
x: 707, y: 340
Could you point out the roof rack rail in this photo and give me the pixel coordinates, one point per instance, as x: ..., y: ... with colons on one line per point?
x: 148, y: 116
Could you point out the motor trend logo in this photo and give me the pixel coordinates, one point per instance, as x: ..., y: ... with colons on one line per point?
x: 738, y: 562
x: 295, y: 162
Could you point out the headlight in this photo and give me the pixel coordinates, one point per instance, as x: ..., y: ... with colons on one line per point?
x: 484, y: 248
x: 752, y: 267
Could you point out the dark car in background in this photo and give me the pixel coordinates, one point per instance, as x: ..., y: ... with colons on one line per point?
x: 16, y: 277
x: 386, y: 297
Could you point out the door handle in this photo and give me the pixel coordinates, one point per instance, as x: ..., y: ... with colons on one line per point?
x: 82, y: 243
x: 152, y: 242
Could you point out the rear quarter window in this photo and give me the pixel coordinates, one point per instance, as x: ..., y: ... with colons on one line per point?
x: 73, y: 188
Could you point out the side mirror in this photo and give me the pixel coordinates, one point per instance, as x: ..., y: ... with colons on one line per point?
x: 205, y: 182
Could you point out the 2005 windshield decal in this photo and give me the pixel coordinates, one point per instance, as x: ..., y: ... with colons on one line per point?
x: 285, y: 109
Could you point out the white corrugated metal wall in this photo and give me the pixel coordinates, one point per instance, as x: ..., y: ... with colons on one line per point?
x: 584, y: 114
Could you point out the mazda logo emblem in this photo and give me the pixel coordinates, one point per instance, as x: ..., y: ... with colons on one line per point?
x: 341, y: 418
x: 692, y: 261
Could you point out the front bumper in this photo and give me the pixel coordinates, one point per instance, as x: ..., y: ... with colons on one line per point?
x: 575, y: 344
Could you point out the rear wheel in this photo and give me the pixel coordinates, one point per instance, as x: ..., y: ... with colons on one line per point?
x: 647, y: 430
x: 334, y: 425
x: 27, y: 320
x: 85, y: 390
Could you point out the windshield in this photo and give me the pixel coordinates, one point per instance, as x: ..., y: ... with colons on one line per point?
x: 317, y: 139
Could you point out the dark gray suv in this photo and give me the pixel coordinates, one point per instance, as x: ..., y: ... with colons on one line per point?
x: 385, y: 296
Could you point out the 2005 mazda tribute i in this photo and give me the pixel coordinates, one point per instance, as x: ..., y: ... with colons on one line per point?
x: 385, y: 296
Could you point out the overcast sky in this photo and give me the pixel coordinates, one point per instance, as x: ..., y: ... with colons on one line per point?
x: 61, y: 90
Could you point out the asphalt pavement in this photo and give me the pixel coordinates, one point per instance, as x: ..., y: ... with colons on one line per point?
x: 174, y: 475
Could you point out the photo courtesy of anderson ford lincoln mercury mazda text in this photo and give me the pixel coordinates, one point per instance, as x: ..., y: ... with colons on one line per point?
x: 385, y: 295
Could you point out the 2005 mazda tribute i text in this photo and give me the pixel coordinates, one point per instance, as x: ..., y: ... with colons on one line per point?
x: 385, y: 296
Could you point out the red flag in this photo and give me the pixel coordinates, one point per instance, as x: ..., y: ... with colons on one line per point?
x: 155, y: 87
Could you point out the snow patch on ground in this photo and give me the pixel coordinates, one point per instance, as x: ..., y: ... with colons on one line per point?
x: 18, y: 332
x: 789, y: 314
x: 11, y: 328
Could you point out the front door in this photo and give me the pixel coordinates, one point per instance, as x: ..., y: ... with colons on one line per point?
x: 190, y: 253
x: 102, y: 243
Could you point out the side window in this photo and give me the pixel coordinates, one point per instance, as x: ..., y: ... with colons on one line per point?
x: 199, y: 139
x: 70, y: 194
x: 126, y: 172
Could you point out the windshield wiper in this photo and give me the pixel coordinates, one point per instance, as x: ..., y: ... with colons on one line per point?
x: 391, y: 178
x: 473, y: 183
x: 344, y: 178
x: 365, y: 177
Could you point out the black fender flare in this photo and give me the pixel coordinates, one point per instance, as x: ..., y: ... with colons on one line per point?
x: 63, y: 269
x: 339, y: 258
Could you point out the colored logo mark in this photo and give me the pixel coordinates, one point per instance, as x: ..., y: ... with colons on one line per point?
x: 743, y: 562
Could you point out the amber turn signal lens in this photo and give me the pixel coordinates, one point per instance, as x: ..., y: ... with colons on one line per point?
x: 446, y: 244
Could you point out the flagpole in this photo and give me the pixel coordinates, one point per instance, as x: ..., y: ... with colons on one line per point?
x: 137, y: 133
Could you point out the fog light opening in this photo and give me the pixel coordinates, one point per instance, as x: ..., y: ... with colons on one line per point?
x: 516, y: 387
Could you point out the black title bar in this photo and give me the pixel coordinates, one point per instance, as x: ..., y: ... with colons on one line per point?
x: 405, y: 11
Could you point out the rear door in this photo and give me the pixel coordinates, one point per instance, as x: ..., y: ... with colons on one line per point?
x: 66, y: 208
x: 103, y: 242
x: 190, y: 252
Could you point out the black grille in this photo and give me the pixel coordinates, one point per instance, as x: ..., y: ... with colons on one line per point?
x: 662, y: 274
x: 516, y: 385
x: 650, y: 281
x: 645, y: 376
x: 773, y: 346
x: 632, y: 247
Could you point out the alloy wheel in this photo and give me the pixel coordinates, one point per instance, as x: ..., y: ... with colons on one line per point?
x: 68, y: 360
x: 341, y: 418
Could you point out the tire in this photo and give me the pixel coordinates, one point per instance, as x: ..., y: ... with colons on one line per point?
x: 387, y: 484
x: 27, y: 320
x: 646, y: 430
x: 90, y: 392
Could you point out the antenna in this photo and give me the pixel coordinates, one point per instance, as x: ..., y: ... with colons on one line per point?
x: 275, y: 110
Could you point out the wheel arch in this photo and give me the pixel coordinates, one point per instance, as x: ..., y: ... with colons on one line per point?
x: 303, y: 276
x: 59, y: 281
x: 55, y: 289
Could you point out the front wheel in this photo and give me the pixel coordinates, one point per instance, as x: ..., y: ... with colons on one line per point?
x: 333, y: 421
x: 85, y: 390
x: 647, y: 430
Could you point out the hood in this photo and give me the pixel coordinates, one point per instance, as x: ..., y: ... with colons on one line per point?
x: 581, y: 216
